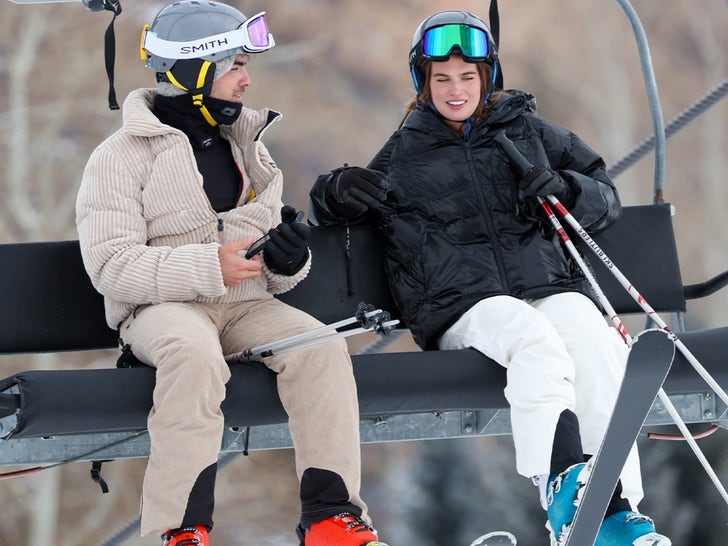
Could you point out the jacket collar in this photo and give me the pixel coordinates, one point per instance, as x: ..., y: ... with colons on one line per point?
x: 139, y: 120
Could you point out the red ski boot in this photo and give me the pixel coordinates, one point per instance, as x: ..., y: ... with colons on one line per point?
x: 340, y: 530
x: 187, y: 536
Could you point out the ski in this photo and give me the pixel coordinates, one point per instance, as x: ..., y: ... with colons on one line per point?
x: 649, y: 361
x: 496, y: 538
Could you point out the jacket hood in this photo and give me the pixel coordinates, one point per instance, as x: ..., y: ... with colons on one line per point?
x: 511, y: 104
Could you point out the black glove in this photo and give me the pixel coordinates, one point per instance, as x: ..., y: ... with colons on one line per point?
x: 355, y: 190
x: 542, y: 182
x: 286, y: 251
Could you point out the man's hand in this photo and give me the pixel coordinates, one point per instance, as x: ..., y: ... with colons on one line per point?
x: 235, y: 268
x: 286, y: 251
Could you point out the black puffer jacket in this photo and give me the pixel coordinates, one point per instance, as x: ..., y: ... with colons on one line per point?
x: 453, y: 229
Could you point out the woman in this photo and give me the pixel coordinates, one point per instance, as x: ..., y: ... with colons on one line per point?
x: 472, y: 262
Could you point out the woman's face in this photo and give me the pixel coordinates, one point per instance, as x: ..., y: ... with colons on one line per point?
x: 455, y: 87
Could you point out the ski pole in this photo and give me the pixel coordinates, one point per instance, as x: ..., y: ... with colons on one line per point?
x: 619, y: 325
x: 524, y: 166
x: 369, y: 319
x: 641, y: 301
x: 662, y: 395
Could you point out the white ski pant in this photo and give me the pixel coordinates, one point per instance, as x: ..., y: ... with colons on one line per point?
x: 186, y: 342
x: 560, y: 353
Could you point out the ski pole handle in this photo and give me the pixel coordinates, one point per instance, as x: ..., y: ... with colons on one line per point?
x: 522, y: 165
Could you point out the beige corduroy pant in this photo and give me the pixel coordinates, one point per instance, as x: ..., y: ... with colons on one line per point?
x: 186, y: 343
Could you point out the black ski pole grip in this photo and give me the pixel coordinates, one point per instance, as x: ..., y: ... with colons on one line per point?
x: 521, y: 164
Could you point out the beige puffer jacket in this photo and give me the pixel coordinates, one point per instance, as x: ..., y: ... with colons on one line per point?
x: 147, y: 231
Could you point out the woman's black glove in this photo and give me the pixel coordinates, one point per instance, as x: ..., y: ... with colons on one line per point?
x: 354, y: 190
x: 542, y: 182
x: 286, y: 251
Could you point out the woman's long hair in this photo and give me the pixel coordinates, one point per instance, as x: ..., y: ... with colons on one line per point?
x: 484, y: 71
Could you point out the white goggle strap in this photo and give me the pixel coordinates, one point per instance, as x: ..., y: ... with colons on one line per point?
x: 196, y: 48
x: 203, y: 47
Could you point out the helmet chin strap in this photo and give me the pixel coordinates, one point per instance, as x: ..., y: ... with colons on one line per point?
x: 197, y: 101
x: 203, y: 82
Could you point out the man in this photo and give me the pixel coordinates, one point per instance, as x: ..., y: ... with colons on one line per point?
x: 167, y: 207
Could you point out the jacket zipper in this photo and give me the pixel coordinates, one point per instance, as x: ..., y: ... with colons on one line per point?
x: 488, y: 218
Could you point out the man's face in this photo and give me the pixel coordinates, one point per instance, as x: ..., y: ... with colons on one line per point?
x: 231, y: 86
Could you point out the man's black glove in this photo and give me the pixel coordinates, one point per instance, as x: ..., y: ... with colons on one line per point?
x: 354, y: 190
x: 542, y: 182
x: 286, y: 251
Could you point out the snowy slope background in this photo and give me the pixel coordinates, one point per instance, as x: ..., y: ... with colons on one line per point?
x: 339, y: 75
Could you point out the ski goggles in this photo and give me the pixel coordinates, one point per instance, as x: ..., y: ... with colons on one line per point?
x: 439, y: 42
x: 252, y: 36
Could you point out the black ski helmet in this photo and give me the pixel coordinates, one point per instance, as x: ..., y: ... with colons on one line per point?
x: 187, y: 39
x: 487, y: 51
